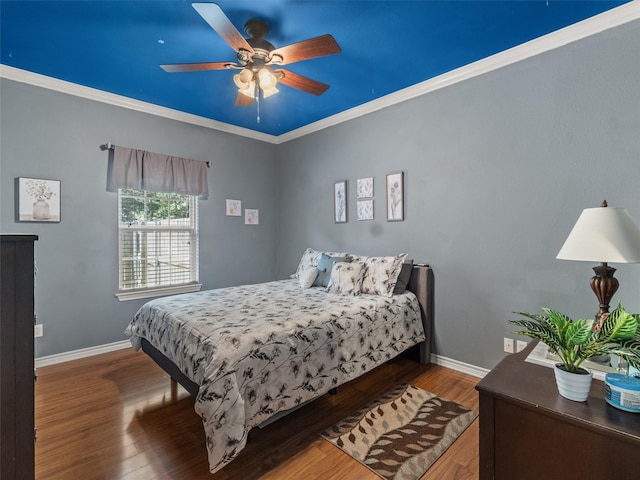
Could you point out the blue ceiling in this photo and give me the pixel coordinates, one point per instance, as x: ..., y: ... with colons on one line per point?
x: 117, y: 47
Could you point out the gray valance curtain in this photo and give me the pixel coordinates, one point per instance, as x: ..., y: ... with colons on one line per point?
x: 142, y: 170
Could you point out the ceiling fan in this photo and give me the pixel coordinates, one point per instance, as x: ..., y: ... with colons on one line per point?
x: 257, y: 58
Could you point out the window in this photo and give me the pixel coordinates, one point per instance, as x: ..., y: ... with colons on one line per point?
x: 158, y: 243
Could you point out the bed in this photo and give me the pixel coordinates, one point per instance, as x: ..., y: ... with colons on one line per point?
x: 248, y: 353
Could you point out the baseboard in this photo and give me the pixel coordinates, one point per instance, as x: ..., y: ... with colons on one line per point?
x: 81, y: 353
x: 459, y: 366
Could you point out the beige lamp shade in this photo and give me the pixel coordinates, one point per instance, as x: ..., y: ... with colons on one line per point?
x: 603, y: 234
x: 243, y: 79
x: 267, y: 79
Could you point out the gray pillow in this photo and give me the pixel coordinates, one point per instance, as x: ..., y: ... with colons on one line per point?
x: 404, y: 277
x: 325, y: 264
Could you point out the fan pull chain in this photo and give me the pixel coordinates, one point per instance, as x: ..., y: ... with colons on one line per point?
x: 258, y: 103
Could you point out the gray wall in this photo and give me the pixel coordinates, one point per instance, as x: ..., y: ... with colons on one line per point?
x: 45, y: 134
x: 497, y: 170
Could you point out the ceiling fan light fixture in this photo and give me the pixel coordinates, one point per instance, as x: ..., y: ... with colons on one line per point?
x: 268, y: 92
x: 267, y: 80
x: 243, y: 79
x: 256, y: 56
x: 249, y: 90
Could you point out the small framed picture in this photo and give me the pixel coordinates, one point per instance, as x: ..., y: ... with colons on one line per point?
x: 364, y: 188
x: 365, y: 210
x: 37, y: 200
x: 340, y: 201
x: 395, y: 197
x: 251, y: 216
x: 234, y: 208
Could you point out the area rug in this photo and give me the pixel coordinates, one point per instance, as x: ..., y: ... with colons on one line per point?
x: 402, y: 433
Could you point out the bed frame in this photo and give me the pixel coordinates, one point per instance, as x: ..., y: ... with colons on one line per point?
x: 421, y: 283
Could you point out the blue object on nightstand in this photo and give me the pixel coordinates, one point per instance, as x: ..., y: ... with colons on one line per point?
x: 622, y: 391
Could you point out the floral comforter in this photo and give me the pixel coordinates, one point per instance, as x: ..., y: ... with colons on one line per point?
x: 259, y: 349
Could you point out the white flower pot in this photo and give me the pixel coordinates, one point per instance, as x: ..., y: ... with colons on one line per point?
x: 574, y: 386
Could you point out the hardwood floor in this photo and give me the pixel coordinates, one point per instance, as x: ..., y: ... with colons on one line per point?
x: 116, y: 416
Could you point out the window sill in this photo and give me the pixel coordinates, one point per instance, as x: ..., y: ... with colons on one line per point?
x: 157, y: 292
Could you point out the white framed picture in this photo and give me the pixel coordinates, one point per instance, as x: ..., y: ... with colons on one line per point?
x: 365, y: 209
x: 251, y: 216
x: 364, y: 187
x: 395, y: 197
x: 234, y: 208
x: 37, y: 200
x: 340, y: 201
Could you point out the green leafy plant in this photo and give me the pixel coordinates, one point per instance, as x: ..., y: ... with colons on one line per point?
x: 576, y: 340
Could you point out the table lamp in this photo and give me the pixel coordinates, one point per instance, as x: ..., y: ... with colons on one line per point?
x: 603, y: 234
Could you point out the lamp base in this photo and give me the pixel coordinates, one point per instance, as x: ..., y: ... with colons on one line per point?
x: 604, y: 285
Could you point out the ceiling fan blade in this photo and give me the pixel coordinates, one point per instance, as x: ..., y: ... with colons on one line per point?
x: 216, y: 18
x: 312, y: 48
x: 305, y: 84
x: 243, y: 101
x: 194, y: 67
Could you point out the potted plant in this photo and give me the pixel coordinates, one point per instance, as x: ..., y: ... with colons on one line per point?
x: 573, y: 341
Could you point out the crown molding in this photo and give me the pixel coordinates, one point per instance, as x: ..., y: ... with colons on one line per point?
x: 74, y: 89
x: 597, y: 24
x: 613, y: 18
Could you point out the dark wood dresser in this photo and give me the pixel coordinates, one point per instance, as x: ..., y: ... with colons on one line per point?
x: 528, y: 431
x: 16, y: 357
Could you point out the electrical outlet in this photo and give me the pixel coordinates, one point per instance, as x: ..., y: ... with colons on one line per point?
x: 521, y: 345
x: 37, y: 330
x: 508, y: 345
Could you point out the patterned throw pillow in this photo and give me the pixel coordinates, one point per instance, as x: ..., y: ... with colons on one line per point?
x: 358, y: 258
x: 382, y: 274
x: 346, y: 278
x: 325, y: 266
x: 311, y: 257
x: 307, y: 277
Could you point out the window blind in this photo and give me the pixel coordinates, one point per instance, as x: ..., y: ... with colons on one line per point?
x: 158, y: 240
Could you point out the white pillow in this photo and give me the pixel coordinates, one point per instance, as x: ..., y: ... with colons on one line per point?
x: 358, y: 258
x: 382, y: 274
x: 346, y: 278
x: 307, y: 277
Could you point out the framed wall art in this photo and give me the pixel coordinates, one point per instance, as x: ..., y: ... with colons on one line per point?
x: 395, y: 197
x: 37, y: 200
x: 251, y: 216
x: 340, y: 201
x: 364, y: 187
x: 365, y: 209
x: 234, y: 208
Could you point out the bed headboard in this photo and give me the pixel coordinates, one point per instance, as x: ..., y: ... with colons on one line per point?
x: 422, y: 284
